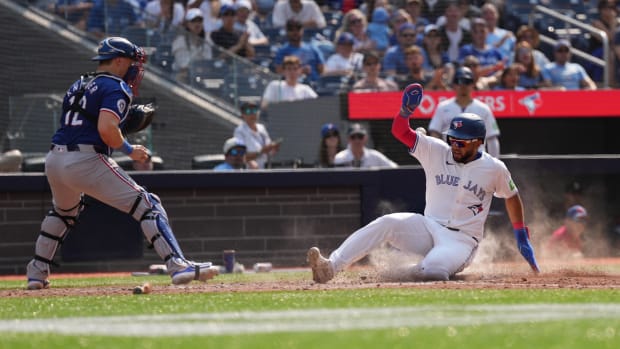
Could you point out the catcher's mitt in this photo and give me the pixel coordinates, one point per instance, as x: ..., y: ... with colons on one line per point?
x: 138, y: 118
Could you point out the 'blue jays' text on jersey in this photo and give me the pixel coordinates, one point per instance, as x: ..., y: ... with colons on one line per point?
x: 104, y: 92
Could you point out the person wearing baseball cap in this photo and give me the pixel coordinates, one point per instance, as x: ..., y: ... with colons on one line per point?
x: 564, y: 74
x: 243, y: 23
x: 464, y: 102
x: 234, y: 155
x: 331, y: 144
x: 190, y: 44
x: 357, y: 154
x: 312, y: 59
x: 344, y: 61
x: 394, y: 59
x: 260, y: 147
x: 230, y: 39
x: 567, y: 240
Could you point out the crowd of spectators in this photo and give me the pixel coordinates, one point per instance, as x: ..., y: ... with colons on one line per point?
x: 332, y: 38
x: 379, y: 45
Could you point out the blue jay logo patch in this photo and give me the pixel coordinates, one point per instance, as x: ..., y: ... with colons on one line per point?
x: 476, y: 209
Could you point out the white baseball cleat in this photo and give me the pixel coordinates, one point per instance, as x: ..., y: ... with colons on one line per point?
x: 199, y: 271
x: 322, y: 269
x: 35, y: 284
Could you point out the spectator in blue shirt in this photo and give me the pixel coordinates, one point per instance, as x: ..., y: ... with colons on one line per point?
x: 564, y: 74
x: 234, y: 152
x: 394, y: 59
x: 490, y: 58
x: 111, y: 17
x: 378, y: 29
x: 311, y: 58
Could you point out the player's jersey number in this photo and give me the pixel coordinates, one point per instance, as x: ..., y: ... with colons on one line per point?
x: 72, y: 118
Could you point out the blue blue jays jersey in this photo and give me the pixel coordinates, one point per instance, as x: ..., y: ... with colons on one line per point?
x: 104, y: 92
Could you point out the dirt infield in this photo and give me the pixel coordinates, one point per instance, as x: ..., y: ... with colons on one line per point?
x: 584, y: 274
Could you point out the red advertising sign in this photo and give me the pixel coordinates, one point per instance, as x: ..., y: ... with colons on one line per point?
x: 504, y: 104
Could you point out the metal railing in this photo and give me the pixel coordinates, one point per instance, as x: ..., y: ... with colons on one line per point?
x: 604, y: 63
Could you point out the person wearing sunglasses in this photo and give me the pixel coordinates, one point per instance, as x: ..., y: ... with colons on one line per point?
x: 234, y: 155
x: 464, y: 102
x: 564, y: 74
x: 260, y: 147
x: 394, y: 59
x: 358, y: 155
x: 461, y: 182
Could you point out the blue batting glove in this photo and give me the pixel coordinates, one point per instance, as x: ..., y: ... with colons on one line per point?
x: 527, y: 251
x: 412, y: 96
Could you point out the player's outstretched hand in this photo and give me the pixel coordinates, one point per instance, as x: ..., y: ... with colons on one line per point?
x: 526, y: 249
x: 412, y: 96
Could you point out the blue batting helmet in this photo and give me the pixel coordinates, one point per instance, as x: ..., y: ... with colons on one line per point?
x: 467, y: 126
x: 113, y: 47
x: 463, y: 76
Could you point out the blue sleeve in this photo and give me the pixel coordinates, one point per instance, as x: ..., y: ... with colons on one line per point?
x: 95, y: 19
x: 582, y: 73
x: 319, y: 55
x: 277, y: 60
x: 464, y: 52
x: 117, y: 99
x: 389, y: 61
x: 545, y: 73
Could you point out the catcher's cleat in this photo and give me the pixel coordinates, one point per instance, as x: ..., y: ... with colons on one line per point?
x: 322, y: 269
x: 35, y: 284
x: 200, y: 271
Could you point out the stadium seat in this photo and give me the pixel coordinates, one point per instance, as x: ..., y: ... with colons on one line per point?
x: 142, y: 36
x: 275, y: 35
x: 209, y: 74
x: 331, y: 85
x: 207, y: 161
x: 162, y: 57
x: 244, y: 88
x: 126, y: 163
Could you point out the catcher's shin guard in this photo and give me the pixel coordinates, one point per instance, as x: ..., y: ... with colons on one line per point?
x: 54, y: 229
x: 156, y: 228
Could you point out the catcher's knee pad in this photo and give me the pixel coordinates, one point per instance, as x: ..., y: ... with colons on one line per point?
x: 155, y: 226
x: 54, y: 229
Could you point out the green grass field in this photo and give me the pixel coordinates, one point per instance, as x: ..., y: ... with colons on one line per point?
x: 308, y: 317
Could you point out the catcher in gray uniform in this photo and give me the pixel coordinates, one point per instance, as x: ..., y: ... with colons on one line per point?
x: 96, y: 113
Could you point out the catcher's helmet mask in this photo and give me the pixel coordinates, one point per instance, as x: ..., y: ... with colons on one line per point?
x: 467, y: 126
x: 115, y: 46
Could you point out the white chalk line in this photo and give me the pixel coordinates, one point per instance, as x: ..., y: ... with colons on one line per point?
x: 309, y: 320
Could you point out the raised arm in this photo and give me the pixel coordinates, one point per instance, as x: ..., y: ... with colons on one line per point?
x: 412, y: 96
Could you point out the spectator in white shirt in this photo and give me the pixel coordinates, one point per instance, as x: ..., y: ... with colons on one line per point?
x: 288, y: 89
x: 358, y: 155
x: 245, y: 24
x: 163, y: 15
x: 254, y: 135
x: 210, y: 10
x: 305, y: 11
x: 344, y: 61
